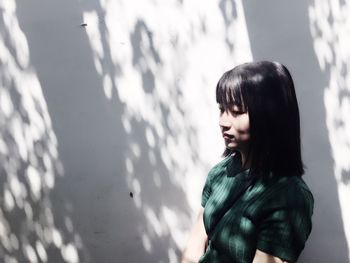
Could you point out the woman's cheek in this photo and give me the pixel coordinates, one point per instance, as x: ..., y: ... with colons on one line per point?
x: 242, y: 127
x: 242, y: 123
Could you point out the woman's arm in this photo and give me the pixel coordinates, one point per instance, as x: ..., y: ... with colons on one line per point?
x: 262, y: 257
x: 197, y: 241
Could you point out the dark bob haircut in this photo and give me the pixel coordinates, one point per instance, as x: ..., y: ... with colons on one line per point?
x: 266, y: 91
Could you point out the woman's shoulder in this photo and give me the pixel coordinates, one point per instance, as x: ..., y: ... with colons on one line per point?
x: 218, y: 169
x: 296, y: 184
x: 299, y: 191
x: 221, y: 164
x: 292, y: 191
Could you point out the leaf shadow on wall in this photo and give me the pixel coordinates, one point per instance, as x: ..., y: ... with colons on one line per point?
x: 118, y: 178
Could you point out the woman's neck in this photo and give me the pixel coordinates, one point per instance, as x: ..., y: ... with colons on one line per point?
x: 246, y: 160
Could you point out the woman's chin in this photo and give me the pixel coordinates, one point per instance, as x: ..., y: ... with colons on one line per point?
x: 231, y: 145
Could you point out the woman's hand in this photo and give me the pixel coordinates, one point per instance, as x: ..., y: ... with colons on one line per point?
x: 262, y: 257
x: 197, y: 241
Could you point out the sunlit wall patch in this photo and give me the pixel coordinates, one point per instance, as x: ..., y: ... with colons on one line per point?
x: 29, y: 161
x: 330, y: 29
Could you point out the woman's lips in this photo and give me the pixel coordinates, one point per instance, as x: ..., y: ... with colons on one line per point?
x: 227, y: 136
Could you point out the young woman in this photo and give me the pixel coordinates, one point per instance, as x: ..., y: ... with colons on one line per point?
x: 256, y: 207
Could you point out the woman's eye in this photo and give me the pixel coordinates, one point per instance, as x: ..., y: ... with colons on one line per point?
x: 237, y: 112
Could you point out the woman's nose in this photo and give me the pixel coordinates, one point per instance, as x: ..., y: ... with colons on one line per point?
x: 223, y: 120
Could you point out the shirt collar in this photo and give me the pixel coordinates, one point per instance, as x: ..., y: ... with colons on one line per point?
x: 234, y: 167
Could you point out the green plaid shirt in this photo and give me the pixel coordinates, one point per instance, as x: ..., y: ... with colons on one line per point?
x: 274, y: 217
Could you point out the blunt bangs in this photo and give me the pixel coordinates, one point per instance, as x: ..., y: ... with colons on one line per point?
x: 229, y: 91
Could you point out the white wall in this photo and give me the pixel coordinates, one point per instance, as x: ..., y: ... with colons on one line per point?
x: 109, y: 121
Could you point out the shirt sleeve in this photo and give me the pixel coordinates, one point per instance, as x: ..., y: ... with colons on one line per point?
x: 213, y: 173
x: 286, y: 225
x: 206, y: 190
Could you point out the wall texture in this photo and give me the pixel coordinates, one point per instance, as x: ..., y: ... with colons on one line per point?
x: 108, y: 120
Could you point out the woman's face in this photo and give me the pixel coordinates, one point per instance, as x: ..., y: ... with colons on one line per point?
x: 234, y: 125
